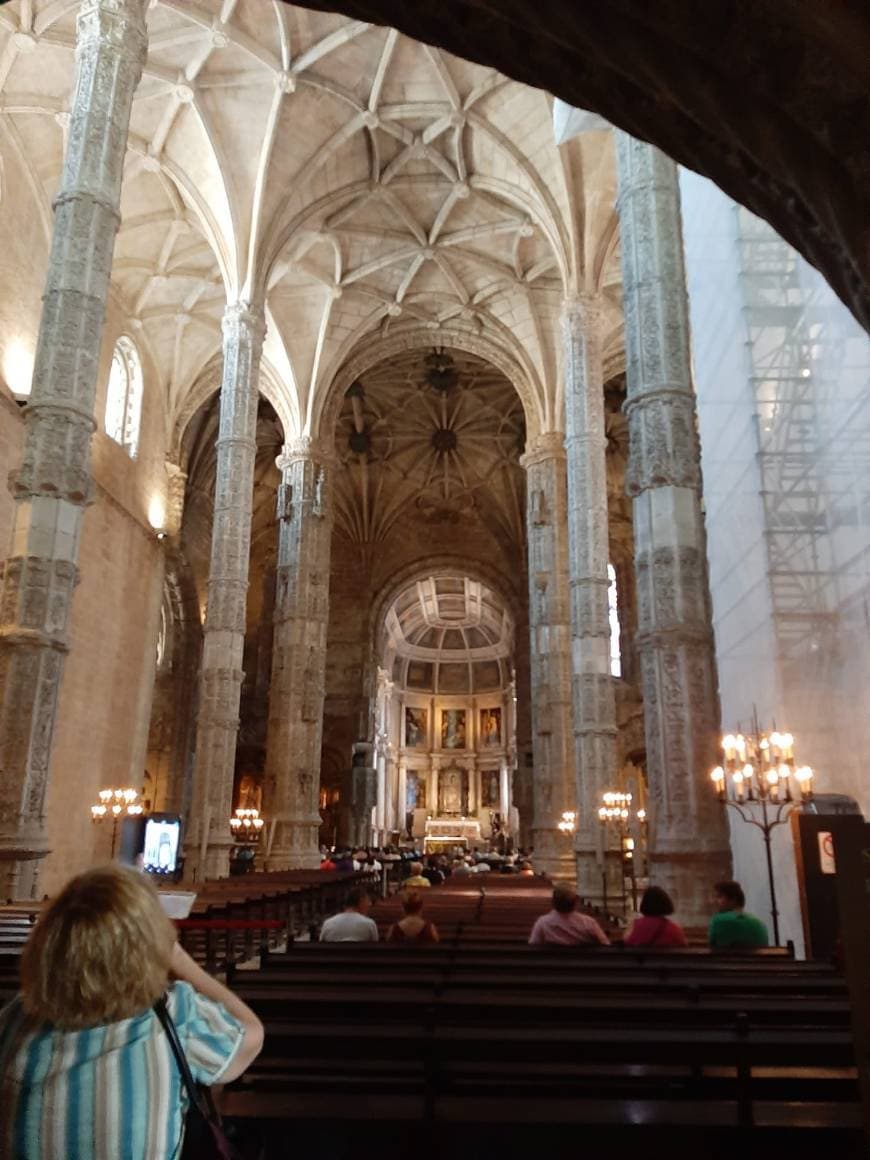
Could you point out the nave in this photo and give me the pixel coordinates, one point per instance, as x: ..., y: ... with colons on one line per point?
x: 487, y: 1043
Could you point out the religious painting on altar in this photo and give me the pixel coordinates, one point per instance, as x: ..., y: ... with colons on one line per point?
x: 416, y: 727
x: 452, y: 728
x: 489, y: 789
x: 415, y: 792
x: 452, y: 792
x: 490, y: 727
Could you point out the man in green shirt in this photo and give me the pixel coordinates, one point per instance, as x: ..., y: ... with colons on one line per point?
x: 732, y: 928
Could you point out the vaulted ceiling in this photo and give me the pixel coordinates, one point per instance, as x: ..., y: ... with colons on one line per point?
x: 433, y: 434
x: 449, y: 633
x: 770, y: 99
x: 369, y: 187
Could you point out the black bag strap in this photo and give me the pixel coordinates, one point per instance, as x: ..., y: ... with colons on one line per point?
x: 162, y: 1013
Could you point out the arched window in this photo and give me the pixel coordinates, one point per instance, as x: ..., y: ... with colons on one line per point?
x: 161, y: 639
x: 613, y: 611
x: 124, y: 397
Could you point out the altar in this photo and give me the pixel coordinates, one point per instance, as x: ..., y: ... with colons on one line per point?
x: 445, y: 834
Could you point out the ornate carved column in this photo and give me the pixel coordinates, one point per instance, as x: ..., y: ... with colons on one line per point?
x: 588, y: 548
x: 688, y: 846
x: 554, y: 789
x: 53, y: 484
x: 295, y: 732
x: 209, y: 839
x: 363, y: 793
x: 523, y: 773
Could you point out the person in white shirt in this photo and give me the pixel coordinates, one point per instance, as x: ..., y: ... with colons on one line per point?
x: 353, y: 923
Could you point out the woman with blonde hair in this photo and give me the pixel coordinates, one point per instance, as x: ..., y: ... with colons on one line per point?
x: 86, y: 1067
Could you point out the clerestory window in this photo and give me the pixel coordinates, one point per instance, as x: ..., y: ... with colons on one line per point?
x: 613, y: 610
x: 124, y: 396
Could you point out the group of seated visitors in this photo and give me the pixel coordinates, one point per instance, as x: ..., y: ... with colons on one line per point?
x: 86, y: 1066
x: 439, y: 868
x: 731, y: 928
x: 352, y: 924
x: 353, y: 861
x: 436, y: 868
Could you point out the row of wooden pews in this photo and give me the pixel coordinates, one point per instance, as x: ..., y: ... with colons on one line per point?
x: 232, y: 919
x: 484, y: 907
x: 483, y: 1041
x: 16, y: 923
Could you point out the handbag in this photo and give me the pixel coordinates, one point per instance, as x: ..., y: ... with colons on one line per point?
x: 204, y: 1138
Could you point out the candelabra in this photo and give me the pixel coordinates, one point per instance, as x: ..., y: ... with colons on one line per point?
x: 246, y: 825
x: 616, y: 812
x: 758, y: 771
x: 568, y: 823
x: 113, y: 805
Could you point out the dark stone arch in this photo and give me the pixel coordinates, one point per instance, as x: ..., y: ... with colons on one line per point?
x: 769, y: 98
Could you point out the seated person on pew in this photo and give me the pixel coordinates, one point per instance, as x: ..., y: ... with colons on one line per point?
x: 433, y: 873
x: 654, y: 928
x: 86, y: 1069
x: 565, y: 926
x: 344, y: 862
x: 413, y: 928
x: 353, y: 923
x: 732, y: 928
x: 416, y: 880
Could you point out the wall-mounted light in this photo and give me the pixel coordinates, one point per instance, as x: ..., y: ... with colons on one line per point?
x: 157, y: 516
x: 18, y: 369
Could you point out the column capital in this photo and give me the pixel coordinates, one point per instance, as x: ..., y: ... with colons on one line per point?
x: 547, y: 445
x: 303, y: 449
x: 117, y: 24
x: 243, y: 315
x: 582, y: 312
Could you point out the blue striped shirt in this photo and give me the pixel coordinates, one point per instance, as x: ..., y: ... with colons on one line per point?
x: 112, y: 1092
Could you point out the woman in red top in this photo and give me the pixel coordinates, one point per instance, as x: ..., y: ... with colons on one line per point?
x: 413, y: 928
x: 654, y: 928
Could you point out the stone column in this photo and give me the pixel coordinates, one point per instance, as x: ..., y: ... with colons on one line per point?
x: 523, y: 774
x: 554, y: 789
x: 402, y: 799
x: 503, y: 792
x: 292, y: 782
x: 688, y: 847
x: 588, y: 547
x: 221, y: 675
x: 381, y: 798
x: 473, y: 788
x: 390, y: 821
x: 53, y: 485
x: 363, y: 793
x: 432, y: 787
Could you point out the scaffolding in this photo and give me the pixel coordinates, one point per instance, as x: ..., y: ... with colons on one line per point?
x: 810, y: 365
